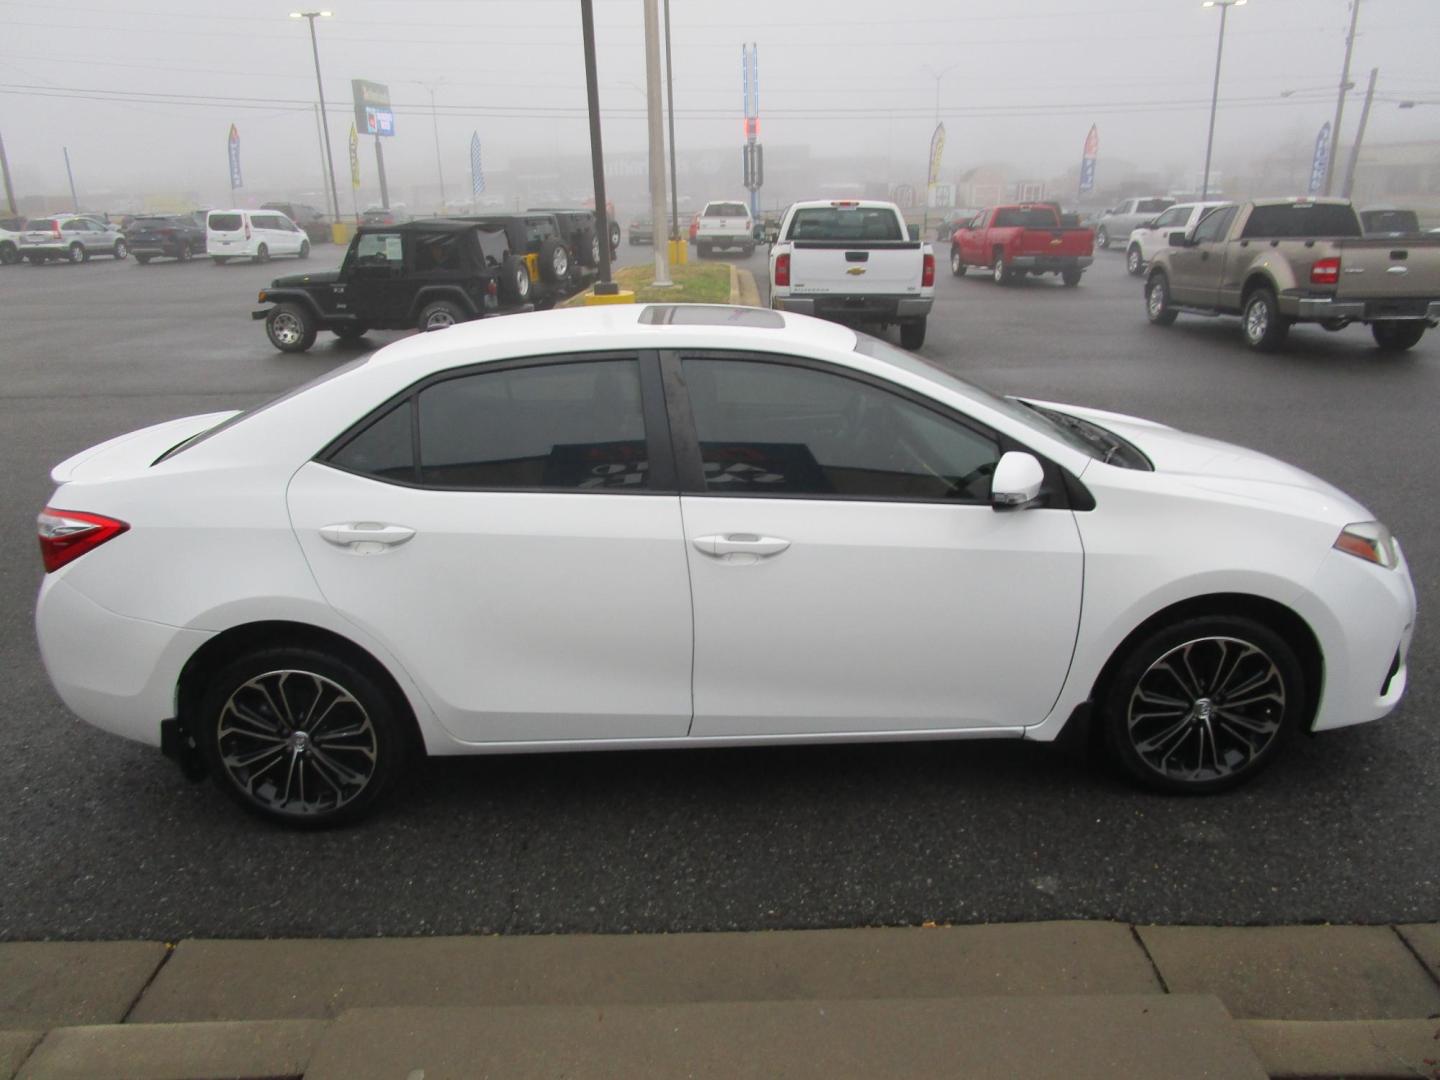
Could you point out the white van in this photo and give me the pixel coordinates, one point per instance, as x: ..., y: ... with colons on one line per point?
x: 253, y: 234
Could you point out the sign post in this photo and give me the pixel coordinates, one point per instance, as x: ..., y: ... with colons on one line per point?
x: 354, y: 172
x: 753, y: 153
x: 374, y: 115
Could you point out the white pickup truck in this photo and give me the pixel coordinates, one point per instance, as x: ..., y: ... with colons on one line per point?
x: 725, y: 224
x: 855, y: 262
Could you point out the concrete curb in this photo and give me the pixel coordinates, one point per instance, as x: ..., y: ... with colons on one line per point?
x: 214, y: 1051
x: 1352, y: 1049
x: 743, y: 289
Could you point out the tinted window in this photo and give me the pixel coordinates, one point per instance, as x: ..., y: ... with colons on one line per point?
x: 558, y: 427
x: 846, y: 223
x: 1215, y: 225
x: 1029, y: 217
x: 385, y: 449
x: 774, y: 429
x: 1391, y: 221
x: 726, y: 209
x: 226, y: 222
x: 1179, y: 215
x: 437, y: 251
x: 41, y: 224
x: 1153, y: 206
x: 1302, y: 220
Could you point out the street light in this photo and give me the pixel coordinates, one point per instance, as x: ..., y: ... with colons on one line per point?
x: 435, y: 123
x: 1224, y: 6
x: 311, y: 16
x: 938, y: 75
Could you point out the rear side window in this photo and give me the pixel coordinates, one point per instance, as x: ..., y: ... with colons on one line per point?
x: 726, y: 209
x: 385, y: 449
x: 226, y: 222
x: 1289, y: 220
x: 845, y: 223
x: 41, y: 224
x: 438, y: 251
x: 1153, y: 206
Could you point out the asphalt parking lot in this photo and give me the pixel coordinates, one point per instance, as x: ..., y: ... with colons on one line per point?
x: 104, y: 839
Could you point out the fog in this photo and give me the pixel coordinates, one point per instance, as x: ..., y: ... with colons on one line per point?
x: 143, y: 93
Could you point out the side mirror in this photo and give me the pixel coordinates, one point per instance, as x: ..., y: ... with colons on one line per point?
x: 1180, y: 239
x: 1016, y: 482
x: 1150, y: 224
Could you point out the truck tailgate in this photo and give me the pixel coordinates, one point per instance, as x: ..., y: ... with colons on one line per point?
x: 1375, y: 269
x: 1054, y: 242
x: 826, y: 266
x: 723, y: 226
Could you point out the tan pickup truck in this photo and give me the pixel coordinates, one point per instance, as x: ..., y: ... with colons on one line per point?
x: 1276, y: 262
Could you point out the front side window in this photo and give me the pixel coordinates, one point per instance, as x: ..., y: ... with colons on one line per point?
x: 777, y: 429
x: 1175, y: 217
x: 377, y: 252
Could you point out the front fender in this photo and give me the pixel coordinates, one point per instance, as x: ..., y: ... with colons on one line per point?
x: 290, y: 296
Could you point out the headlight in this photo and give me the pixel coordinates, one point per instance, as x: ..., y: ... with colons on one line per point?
x: 262, y: 296
x: 1371, y: 541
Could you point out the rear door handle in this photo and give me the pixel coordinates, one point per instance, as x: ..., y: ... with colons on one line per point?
x: 366, y: 537
x: 722, y: 544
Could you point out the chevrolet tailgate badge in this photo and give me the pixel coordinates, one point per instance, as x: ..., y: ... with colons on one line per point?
x: 855, y: 271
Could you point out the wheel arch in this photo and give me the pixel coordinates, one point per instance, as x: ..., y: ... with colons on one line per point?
x: 432, y: 293
x: 296, y: 296
x: 1255, y: 280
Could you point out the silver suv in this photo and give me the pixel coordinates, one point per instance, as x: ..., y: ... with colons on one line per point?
x: 71, y: 237
x: 1119, y: 222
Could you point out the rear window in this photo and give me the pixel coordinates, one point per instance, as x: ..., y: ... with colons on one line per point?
x: 725, y: 209
x: 1302, y: 220
x: 226, y: 222
x: 1032, y: 217
x: 1153, y: 206
x: 845, y: 223
x: 42, y: 224
x: 1391, y: 221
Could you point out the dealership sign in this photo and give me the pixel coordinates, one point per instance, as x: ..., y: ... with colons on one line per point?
x: 1087, y: 160
x: 372, y: 107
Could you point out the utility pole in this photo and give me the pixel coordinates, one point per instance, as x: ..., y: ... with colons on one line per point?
x: 604, y: 286
x: 657, y: 140
x: 435, y: 123
x: 1359, y: 135
x: 74, y: 199
x: 1224, y: 6
x: 311, y: 16
x: 380, y: 164
x: 330, y: 206
x: 670, y: 91
x: 5, y: 171
x: 1340, y: 99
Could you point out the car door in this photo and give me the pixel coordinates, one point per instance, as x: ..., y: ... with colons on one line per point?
x: 1154, y: 238
x: 972, y: 240
x: 848, y: 572
x: 77, y: 231
x: 373, y: 270
x: 511, y: 534
x: 1195, y: 270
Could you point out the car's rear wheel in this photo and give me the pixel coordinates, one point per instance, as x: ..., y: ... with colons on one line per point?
x: 290, y: 328
x: 76, y: 253
x: 304, y: 249
x: 1203, y: 704
x: 1102, y: 239
x: 439, y: 315
x: 262, y: 254
x: 957, y: 264
x: 514, y: 280
x: 1397, y: 336
x: 184, y: 254
x: 554, y: 261
x: 1133, y: 262
x: 1265, y: 328
x: 1000, y: 271
x: 143, y: 260
x: 1158, y: 308
x: 1071, y: 277
x: 120, y: 251
x: 9, y: 254
x: 912, y: 334
x: 301, y: 737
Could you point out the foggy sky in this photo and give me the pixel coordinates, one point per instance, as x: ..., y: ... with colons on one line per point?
x: 1023, y: 81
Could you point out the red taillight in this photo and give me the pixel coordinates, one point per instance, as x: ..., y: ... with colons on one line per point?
x: 927, y: 275
x: 491, y: 288
x: 782, y: 269
x: 55, y: 229
x: 1325, y: 272
x: 65, y: 535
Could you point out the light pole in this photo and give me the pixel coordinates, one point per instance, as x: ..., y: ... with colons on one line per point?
x: 311, y: 16
x: 1224, y: 6
x: 1345, y: 84
x: 929, y: 195
x: 435, y: 123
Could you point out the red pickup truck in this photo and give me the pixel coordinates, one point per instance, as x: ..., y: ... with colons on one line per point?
x: 1027, y: 238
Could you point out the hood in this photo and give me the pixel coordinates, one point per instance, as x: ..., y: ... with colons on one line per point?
x: 1225, y: 469
x: 319, y: 277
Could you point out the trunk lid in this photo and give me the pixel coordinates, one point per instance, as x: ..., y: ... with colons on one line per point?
x: 1380, y: 269
x: 820, y: 267
x: 1054, y: 242
x: 135, y: 451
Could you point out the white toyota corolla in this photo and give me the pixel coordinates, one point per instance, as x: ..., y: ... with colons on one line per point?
x: 655, y: 526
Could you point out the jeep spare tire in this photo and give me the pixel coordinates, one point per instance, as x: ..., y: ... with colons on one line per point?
x: 554, y: 261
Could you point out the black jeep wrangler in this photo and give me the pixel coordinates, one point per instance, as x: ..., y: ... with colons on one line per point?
x: 580, y: 230
x: 421, y: 274
x: 548, y: 249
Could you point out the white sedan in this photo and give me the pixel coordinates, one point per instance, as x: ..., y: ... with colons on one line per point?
x: 664, y: 526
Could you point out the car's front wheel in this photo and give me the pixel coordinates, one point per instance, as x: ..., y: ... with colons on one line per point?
x: 9, y: 254
x: 1102, y: 239
x: 120, y: 251
x: 957, y: 264
x: 301, y: 737
x: 304, y: 249
x: 1158, y: 308
x: 1134, y: 264
x: 290, y: 328
x: 1203, y: 704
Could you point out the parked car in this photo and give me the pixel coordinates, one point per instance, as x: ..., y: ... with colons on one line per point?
x: 580, y: 230
x: 1154, y: 235
x: 725, y: 225
x: 385, y: 215
x: 316, y: 223
x: 167, y: 236
x: 423, y: 275
x: 853, y: 261
x: 1120, y: 221
x: 10, y: 230
x: 640, y: 231
x: 69, y: 237
x: 1390, y: 222
x: 445, y: 548
x: 537, y: 240
x: 257, y: 235
x: 1276, y: 262
x: 1025, y: 238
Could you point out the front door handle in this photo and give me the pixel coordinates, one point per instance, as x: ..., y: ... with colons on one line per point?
x: 366, y: 537
x: 723, y: 544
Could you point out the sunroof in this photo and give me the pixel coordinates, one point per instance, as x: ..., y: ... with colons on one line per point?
x: 711, y: 315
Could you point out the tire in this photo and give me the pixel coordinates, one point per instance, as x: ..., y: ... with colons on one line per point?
x: 957, y: 264
x: 304, y: 249
x: 703, y: 250
x: 514, y: 280
x: 350, y: 333
x: 554, y: 261
x: 143, y: 260
x: 1264, y: 327
x: 912, y: 334
x: 76, y: 253
x: 749, y: 250
x: 290, y: 328
x: 35, y: 260
x: 184, y: 254
x: 9, y: 254
x: 440, y: 315
x: 262, y: 254
x: 1102, y: 239
x: 1071, y: 277
x: 1223, y: 683
x: 120, y: 251
x: 220, y: 260
x: 263, y: 744
x: 594, y: 249
x: 1000, y: 271
x: 1158, y: 308
x: 1133, y: 262
x: 1396, y: 337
